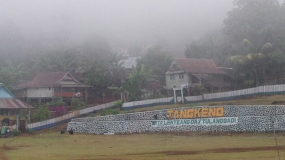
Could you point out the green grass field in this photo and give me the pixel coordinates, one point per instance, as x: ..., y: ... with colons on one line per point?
x: 183, y: 146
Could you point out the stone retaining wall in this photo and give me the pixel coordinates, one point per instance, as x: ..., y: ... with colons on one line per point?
x: 193, y: 119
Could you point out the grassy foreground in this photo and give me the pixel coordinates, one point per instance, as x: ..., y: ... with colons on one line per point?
x: 143, y: 146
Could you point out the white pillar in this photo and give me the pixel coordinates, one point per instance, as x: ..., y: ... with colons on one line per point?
x: 182, y: 97
x: 175, y: 98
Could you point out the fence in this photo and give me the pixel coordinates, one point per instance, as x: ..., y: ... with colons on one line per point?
x: 66, y: 118
x: 272, y: 89
x: 147, y: 103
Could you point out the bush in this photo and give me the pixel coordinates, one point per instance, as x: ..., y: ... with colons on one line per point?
x: 41, y: 114
x: 16, y: 132
x: 202, y: 89
x: 56, y: 102
x: 28, y: 130
x: 76, y: 103
x: 118, y: 104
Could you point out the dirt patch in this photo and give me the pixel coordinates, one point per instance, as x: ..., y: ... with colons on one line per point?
x: 168, y: 153
x: 278, y: 102
x: 218, y: 150
x: 231, y: 150
x: 6, y: 148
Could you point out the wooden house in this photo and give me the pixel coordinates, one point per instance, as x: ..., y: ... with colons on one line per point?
x: 192, y: 72
x: 44, y: 87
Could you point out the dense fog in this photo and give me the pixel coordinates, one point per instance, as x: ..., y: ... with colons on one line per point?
x: 36, y: 26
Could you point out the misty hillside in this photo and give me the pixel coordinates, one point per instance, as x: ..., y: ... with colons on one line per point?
x: 90, y: 38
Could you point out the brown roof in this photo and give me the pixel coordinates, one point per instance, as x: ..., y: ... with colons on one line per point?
x: 13, y: 104
x: 47, y: 79
x: 198, y: 66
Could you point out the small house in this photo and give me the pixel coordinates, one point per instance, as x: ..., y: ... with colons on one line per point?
x: 192, y: 72
x: 44, y: 87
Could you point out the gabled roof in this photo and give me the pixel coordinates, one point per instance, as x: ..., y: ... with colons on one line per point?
x: 13, y: 104
x: 48, y: 79
x: 196, y: 66
x: 4, y: 92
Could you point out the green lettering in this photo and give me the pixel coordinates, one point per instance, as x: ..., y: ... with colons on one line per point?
x: 153, y: 122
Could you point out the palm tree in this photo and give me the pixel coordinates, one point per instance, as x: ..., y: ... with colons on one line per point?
x: 252, y: 64
x: 138, y: 81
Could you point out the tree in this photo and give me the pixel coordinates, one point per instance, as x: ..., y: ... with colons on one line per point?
x: 42, y: 113
x: 62, y: 61
x: 254, y: 63
x: 255, y: 20
x: 114, y: 71
x: 92, y: 72
x: 138, y: 81
x: 10, y: 73
x: 158, y: 61
x: 210, y: 46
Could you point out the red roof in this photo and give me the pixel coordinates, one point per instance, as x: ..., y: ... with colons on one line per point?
x: 46, y: 79
x: 14, y: 104
x: 198, y: 66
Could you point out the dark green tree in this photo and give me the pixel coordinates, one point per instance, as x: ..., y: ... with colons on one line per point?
x: 210, y: 46
x: 255, y: 20
x: 254, y: 63
x: 137, y: 83
x: 158, y: 61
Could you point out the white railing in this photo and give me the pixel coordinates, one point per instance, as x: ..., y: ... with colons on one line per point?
x: 210, y: 96
x: 250, y: 91
x: 147, y: 102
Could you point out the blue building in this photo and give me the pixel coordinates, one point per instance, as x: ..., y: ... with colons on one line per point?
x: 10, y: 109
x: 4, y: 92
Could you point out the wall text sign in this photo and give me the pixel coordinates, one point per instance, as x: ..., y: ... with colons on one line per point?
x: 204, y: 112
x: 202, y: 121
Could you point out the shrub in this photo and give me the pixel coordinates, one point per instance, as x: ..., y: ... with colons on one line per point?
x: 56, y: 102
x: 41, y: 114
x: 16, y: 132
x: 118, y: 104
x: 28, y: 130
x: 76, y: 103
x: 202, y: 89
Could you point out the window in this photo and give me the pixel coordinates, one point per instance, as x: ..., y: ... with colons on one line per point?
x: 172, y: 77
x: 181, y: 76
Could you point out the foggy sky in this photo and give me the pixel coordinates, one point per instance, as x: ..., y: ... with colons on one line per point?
x: 121, y: 22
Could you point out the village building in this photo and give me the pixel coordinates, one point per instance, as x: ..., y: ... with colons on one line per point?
x: 11, y: 109
x: 188, y: 72
x: 45, y: 87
